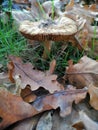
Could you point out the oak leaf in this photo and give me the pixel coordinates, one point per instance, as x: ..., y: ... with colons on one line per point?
x: 62, y: 99
x: 83, y: 73
x: 13, y: 108
x: 32, y: 77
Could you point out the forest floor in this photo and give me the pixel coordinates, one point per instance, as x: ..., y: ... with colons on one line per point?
x: 55, y: 87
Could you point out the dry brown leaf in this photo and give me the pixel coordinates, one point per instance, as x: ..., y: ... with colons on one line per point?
x: 77, y: 119
x: 93, y: 92
x: 10, y: 71
x: 52, y: 66
x: 13, y: 108
x: 28, y: 95
x: 87, y: 37
x: 60, y: 123
x: 61, y: 99
x: 29, y: 76
x: 52, y: 121
x: 45, y: 122
x: 3, y: 78
x: 21, y: 1
x: 36, y: 11
x: 28, y: 124
x: 70, y: 5
x: 88, y: 123
x: 83, y: 38
x: 83, y: 73
x: 79, y: 126
x: 92, y: 7
x: 85, y: 107
x: 86, y: 32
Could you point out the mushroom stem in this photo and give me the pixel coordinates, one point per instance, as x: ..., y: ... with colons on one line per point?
x: 47, y: 49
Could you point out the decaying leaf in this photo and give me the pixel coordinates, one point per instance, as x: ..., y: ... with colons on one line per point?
x: 52, y: 66
x: 61, y: 99
x: 52, y: 121
x: 60, y: 123
x: 3, y: 78
x: 79, y: 126
x: 29, y: 76
x: 20, y: 16
x: 28, y: 95
x: 83, y: 73
x: 93, y: 92
x: 88, y: 14
x: 88, y: 123
x: 21, y: 1
x: 85, y: 107
x: 45, y: 122
x: 13, y: 108
x: 28, y: 124
x: 87, y: 37
x: 70, y: 5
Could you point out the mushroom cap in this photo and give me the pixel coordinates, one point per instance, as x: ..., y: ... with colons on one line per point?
x: 55, y: 30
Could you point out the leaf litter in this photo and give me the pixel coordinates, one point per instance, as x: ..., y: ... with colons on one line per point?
x: 56, y: 107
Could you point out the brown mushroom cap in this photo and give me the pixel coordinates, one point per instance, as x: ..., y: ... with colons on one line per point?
x: 55, y: 30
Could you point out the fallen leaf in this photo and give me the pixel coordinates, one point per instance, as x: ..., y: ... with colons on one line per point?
x: 28, y: 95
x: 45, y: 122
x: 70, y: 5
x: 88, y: 15
x: 85, y: 107
x: 10, y: 71
x: 52, y: 66
x: 3, y: 78
x: 20, y: 16
x: 21, y: 1
x: 27, y: 124
x: 60, y: 123
x: 61, y: 99
x: 79, y: 126
x: 83, y: 73
x: 88, y: 123
x: 92, y: 7
x: 31, y: 77
x: 77, y: 119
x: 93, y: 92
x: 13, y: 108
x: 83, y: 121
x: 86, y: 37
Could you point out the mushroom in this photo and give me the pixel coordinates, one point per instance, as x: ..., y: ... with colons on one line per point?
x: 61, y: 29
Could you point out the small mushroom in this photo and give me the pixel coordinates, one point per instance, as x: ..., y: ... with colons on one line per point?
x: 61, y: 29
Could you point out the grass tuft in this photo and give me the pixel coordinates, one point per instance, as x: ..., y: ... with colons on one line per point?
x: 11, y: 42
